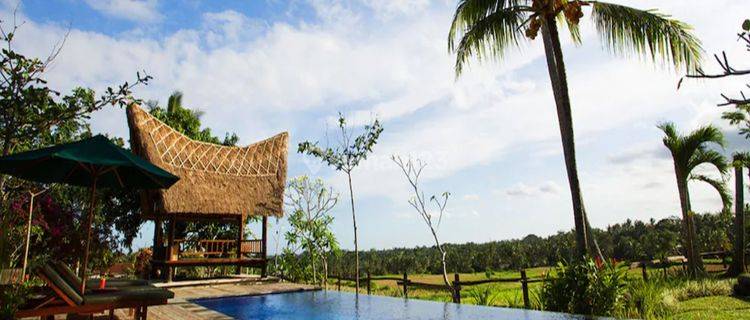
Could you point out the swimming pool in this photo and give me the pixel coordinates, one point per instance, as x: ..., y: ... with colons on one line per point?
x: 344, y: 305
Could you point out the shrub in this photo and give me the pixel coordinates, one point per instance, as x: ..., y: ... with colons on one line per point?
x: 584, y: 288
x: 12, y: 297
x: 698, y: 289
x: 742, y: 287
x: 484, y: 295
x: 646, y: 300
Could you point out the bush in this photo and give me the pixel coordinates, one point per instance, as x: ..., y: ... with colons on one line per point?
x: 584, y: 288
x: 742, y: 287
x: 698, y: 289
x: 12, y: 297
x: 484, y: 295
x: 646, y: 300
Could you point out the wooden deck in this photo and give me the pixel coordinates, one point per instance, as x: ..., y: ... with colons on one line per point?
x: 181, y: 308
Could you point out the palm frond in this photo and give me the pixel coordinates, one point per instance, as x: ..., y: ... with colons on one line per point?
x: 671, y: 136
x: 702, y: 136
x: 720, y: 186
x: 485, y: 28
x: 741, y: 159
x: 647, y: 33
x: 710, y: 157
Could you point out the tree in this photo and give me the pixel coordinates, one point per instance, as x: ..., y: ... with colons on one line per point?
x: 310, y: 203
x: 740, y: 160
x: 346, y: 156
x: 187, y: 121
x: 33, y: 115
x: 689, y: 152
x: 489, y: 28
x: 413, y: 170
x: 739, y: 116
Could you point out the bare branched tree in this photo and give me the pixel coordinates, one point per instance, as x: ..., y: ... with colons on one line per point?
x: 412, y: 169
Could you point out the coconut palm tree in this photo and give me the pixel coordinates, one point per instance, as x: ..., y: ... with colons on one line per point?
x: 487, y: 28
x: 688, y: 152
x: 740, y: 160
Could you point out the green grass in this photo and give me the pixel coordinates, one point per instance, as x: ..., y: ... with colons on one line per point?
x: 716, y: 307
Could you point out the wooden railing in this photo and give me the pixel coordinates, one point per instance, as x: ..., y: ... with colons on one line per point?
x: 457, y: 285
x: 218, y: 248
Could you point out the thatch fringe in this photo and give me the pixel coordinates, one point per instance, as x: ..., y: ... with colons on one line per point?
x: 214, y: 179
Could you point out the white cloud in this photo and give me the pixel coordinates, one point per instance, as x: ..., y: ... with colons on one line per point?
x: 133, y: 10
x: 470, y: 197
x: 525, y: 190
x: 259, y: 77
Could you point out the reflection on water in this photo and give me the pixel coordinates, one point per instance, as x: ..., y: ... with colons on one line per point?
x: 321, y: 305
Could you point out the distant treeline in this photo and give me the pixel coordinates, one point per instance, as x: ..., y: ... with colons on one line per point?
x: 628, y: 241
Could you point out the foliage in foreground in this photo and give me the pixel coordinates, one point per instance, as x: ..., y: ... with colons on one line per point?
x: 584, y: 288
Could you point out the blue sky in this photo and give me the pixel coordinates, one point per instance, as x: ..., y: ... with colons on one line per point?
x: 490, y: 137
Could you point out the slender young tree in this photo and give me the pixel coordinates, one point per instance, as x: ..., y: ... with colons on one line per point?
x: 310, y: 203
x: 412, y: 170
x: 484, y: 28
x: 346, y: 156
x: 688, y: 152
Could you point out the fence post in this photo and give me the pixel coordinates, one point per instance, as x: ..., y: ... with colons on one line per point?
x: 643, y: 271
x: 456, y: 288
x: 406, y: 288
x: 368, y: 282
x: 338, y: 282
x: 525, y: 289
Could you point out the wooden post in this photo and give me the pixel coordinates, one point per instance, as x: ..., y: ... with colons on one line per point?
x: 240, y: 236
x: 456, y: 288
x: 338, y: 281
x: 158, y: 248
x: 644, y: 273
x: 406, y: 286
x: 368, y: 282
x: 264, y: 244
x: 170, y: 244
x: 525, y: 289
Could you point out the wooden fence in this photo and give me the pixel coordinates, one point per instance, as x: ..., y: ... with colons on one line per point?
x: 456, y: 285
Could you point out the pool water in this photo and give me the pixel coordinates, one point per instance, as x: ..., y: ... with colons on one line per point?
x: 344, y: 305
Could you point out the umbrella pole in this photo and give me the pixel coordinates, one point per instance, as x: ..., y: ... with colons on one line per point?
x: 28, y: 236
x: 28, y: 232
x: 92, y: 205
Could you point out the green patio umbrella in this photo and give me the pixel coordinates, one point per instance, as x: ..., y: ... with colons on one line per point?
x: 94, y: 162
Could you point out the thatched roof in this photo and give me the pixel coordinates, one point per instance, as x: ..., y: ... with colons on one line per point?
x: 214, y: 179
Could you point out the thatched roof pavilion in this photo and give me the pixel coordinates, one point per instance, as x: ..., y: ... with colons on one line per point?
x: 220, y: 183
x: 214, y: 179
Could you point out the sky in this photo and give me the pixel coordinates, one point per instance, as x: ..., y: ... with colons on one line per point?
x: 489, y: 137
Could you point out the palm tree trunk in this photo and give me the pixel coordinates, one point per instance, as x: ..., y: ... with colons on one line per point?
x: 556, y: 68
x: 356, y: 248
x: 688, y: 225
x: 738, y: 260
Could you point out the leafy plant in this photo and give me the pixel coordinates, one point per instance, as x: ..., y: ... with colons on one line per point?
x: 483, y: 295
x: 12, y: 297
x: 697, y: 289
x: 584, y: 288
x: 646, y: 300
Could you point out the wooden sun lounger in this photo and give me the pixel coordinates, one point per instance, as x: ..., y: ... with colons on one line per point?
x: 72, y: 278
x: 66, y: 298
